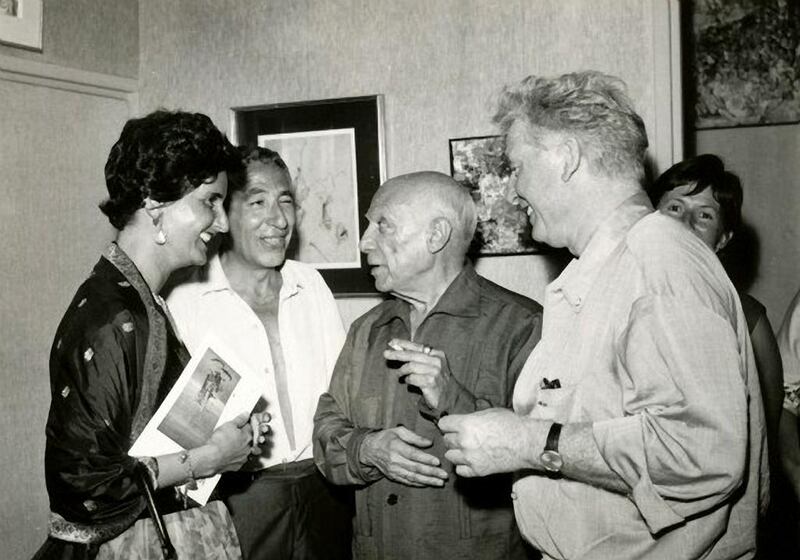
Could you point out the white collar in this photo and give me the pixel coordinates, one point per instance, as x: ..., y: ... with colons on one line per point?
x: 213, y: 278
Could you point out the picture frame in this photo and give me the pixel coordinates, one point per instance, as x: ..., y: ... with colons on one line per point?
x: 334, y: 149
x: 745, y: 62
x: 480, y: 164
x: 21, y: 23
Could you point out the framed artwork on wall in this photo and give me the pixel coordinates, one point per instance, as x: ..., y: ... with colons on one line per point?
x: 21, y: 23
x: 334, y: 149
x: 745, y: 62
x: 480, y: 164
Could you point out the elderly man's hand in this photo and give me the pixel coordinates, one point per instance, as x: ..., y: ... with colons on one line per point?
x: 424, y: 367
x: 490, y: 441
x: 396, y: 453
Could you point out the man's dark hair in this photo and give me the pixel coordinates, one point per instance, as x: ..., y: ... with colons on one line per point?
x: 249, y: 154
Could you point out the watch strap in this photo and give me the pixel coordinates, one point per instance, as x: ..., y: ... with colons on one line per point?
x: 551, y: 444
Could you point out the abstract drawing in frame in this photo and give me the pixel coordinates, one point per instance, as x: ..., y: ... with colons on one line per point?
x: 323, y: 168
x: 21, y: 23
x: 479, y: 163
x: 334, y: 151
x: 746, y: 62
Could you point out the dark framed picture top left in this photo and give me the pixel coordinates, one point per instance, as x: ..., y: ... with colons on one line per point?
x: 21, y: 23
x: 334, y: 149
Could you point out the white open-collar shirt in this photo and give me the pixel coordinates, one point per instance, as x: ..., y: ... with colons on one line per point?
x: 311, y: 334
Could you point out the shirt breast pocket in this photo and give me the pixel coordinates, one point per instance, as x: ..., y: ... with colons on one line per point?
x: 555, y: 403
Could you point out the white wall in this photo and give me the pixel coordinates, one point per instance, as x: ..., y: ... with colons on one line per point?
x: 54, y: 140
x: 767, y: 160
x: 52, y: 231
x: 95, y: 35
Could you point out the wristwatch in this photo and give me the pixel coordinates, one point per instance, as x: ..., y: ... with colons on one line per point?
x: 550, y: 458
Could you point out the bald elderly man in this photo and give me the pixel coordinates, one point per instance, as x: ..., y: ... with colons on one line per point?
x: 447, y: 341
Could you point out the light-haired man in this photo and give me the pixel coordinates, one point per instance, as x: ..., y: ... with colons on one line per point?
x: 448, y: 341
x: 281, y: 319
x: 637, y: 429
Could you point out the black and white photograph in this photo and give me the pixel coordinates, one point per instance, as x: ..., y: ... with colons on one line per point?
x: 400, y: 279
x: 195, y: 413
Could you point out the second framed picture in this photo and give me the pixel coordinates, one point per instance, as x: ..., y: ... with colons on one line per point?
x: 334, y: 149
x: 480, y: 164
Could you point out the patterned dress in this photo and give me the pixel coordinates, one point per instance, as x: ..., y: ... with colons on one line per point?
x: 114, y: 359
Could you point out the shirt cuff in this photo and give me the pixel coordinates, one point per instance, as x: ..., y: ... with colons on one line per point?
x: 620, y: 443
x: 359, y: 470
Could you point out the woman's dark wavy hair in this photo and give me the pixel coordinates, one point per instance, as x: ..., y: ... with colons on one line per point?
x: 163, y: 156
x: 704, y: 171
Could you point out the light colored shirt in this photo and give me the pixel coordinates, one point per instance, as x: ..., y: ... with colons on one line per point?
x: 311, y: 335
x: 789, y: 345
x: 648, y: 340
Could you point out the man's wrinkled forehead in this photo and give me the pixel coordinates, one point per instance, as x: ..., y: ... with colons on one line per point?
x: 396, y: 199
x: 267, y: 177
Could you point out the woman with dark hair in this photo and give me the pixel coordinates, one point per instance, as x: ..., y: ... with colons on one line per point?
x: 115, y: 357
x: 700, y: 193
x: 704, y: 196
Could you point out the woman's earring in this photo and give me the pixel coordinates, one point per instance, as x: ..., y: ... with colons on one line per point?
x: 152, y: 208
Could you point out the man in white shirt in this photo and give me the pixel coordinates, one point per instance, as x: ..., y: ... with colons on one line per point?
x: 279, y: 316
x: 637, y: 429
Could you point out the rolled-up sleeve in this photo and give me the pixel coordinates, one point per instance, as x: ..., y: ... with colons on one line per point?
x: 682, y: 445
x: 337, y: 440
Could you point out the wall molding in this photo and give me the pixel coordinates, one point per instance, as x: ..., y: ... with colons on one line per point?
x: 667, y: 138
x: 32, y: 72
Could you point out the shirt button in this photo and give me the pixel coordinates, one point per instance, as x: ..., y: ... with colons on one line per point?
x: 513, y: 495
x: 392, y: 499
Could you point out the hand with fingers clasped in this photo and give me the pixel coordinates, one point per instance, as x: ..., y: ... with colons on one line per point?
x: 397, y: 453
x: 425, y: 368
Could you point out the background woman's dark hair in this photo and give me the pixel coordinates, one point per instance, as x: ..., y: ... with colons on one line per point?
x: 706, y: 170
x: 163, y: 156
x: 250, y: 154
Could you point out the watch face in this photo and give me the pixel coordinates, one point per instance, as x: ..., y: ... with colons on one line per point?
x: 551, y: 460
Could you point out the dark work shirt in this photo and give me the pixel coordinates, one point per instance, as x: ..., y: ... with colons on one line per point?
x: 487, y: 333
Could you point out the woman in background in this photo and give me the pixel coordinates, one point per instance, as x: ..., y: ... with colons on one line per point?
x: 700, y: 193
x: 705, y: 197
x: 115, y: 356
